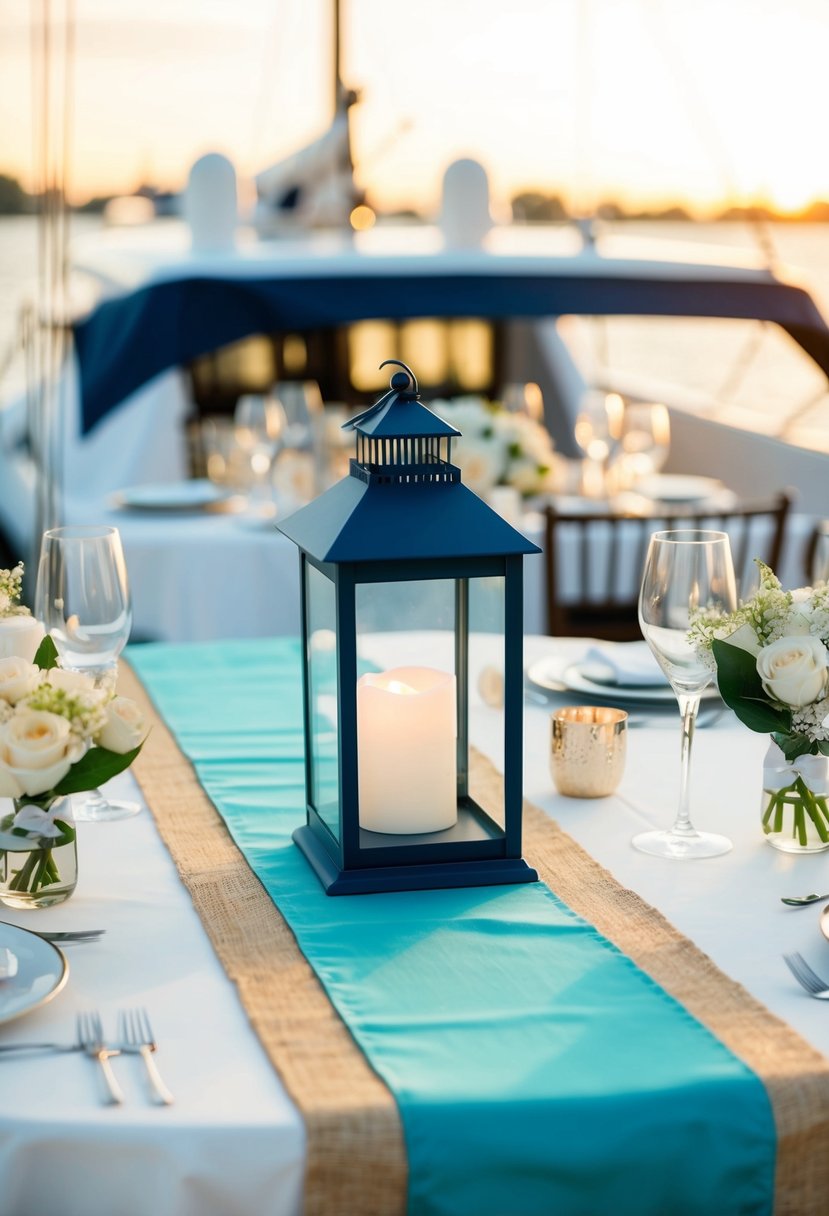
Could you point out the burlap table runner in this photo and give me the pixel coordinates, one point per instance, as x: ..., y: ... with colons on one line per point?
x: 356, y: 1160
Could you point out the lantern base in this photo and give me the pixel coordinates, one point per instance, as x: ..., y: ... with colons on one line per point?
x: 490, y: 872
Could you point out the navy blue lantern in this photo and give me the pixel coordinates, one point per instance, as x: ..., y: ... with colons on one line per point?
x: 411, y: 586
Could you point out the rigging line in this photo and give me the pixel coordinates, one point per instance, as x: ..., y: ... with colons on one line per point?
x: 271, y: 61
x: 700, y: 114
x: 60, y: 318
x: 735, y: 375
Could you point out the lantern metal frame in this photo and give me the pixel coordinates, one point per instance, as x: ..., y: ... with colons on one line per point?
x: 354, y: 535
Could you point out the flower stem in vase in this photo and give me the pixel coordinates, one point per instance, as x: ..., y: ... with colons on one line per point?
x: 40, y: 864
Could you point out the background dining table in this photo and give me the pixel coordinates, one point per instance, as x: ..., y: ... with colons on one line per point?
x: 199, y: 575
x: 233, y: 1141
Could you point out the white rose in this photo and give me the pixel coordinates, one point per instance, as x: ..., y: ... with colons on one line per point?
x: 38, y: 748
x: 524, y: 476
x: 480, y: 461
x: 793, y: 670
x: 10, y: 787
x: 125, y: 727
x: 18, y: 678
x: 69, y: 681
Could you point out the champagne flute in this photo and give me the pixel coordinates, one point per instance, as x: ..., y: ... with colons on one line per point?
x: 684, y: 571
x: 83, y: 600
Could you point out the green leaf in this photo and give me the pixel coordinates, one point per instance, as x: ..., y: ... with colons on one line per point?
x: 93, y: 769
x: 793, y: 746
x: 742, y: 690
x: 47, y: 655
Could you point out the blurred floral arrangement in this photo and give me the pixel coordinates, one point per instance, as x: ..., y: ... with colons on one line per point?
x: 498, y: 447
x: 11, y: 589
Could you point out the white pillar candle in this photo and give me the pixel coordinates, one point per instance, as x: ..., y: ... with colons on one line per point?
x: 406, y: 750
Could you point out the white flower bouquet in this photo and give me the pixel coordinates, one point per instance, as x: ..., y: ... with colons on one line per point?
x: 498, y: 447
x: 771, y: 658
x: 59, y: 735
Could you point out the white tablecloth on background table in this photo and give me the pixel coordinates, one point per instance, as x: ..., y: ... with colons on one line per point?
x: 233, y: 1142
x: 198, y: 577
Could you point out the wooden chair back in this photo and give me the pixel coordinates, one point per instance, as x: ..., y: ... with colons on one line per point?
x: 608, y: 550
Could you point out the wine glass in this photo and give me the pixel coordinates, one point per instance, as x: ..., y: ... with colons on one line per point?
x: 82, y: 598
x: 259, y: 423
x: 685, y: 571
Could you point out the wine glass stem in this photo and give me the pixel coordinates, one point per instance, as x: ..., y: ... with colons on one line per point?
x: 688, y: 706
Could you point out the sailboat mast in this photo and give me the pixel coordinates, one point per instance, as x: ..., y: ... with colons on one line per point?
x: 343, y: 99
x: 338, y: 77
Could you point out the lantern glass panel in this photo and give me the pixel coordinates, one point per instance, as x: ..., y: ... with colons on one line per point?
x: 323, y: 735
x: 486, y: 689
x: 407, y: 707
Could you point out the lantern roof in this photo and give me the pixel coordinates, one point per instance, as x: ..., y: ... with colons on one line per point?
x: 404, y: 499
x: 355, y: 521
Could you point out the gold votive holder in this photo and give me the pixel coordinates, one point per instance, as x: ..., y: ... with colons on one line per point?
x: 587, y: 750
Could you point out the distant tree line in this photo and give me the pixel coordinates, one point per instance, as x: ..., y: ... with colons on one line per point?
x: 535, y: 207
x: 528, y: 207
x: 14, y: 200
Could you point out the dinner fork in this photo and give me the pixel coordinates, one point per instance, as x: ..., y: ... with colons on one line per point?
x: 91, y: 1039
x: 806, y: 977
x: 136, y: 1035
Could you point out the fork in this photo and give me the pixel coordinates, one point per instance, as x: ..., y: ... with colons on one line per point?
x: 136, y: 1036
x: 91, y: 1039
x: 806, y: 977
x: 67, y: 936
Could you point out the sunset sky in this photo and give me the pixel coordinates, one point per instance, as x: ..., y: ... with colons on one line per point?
x: 649, y: 101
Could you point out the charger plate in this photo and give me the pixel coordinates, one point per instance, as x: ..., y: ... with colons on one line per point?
x: 42, y: 972
x: 556, y: 674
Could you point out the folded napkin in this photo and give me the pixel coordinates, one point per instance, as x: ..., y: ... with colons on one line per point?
x: 629, y: 664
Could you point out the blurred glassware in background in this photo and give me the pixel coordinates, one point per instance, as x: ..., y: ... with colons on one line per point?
x: 598, y: 432
x: 302, y: 404
x: 221, y: 455
x: 524, y: 399
x: 300, y: 468
x: 644, y: 442
x: 259, y: 422
x: 819, y: 565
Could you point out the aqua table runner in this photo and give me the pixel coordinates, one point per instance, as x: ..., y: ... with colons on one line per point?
x: 537, y: 1070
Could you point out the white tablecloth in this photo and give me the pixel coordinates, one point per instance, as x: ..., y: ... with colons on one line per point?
x: 233, y: 1142
x: 201, y: 577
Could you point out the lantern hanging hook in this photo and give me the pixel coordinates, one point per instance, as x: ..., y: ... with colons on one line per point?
x: 399, y: 363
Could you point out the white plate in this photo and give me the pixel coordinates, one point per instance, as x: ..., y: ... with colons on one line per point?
x: 676, y: 487
x: 42, y: 971
x: 555, y: 674
x: 198, y: 495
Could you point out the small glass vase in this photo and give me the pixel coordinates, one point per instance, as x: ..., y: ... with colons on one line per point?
x: 795, y: 803
x: 38, y: 853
